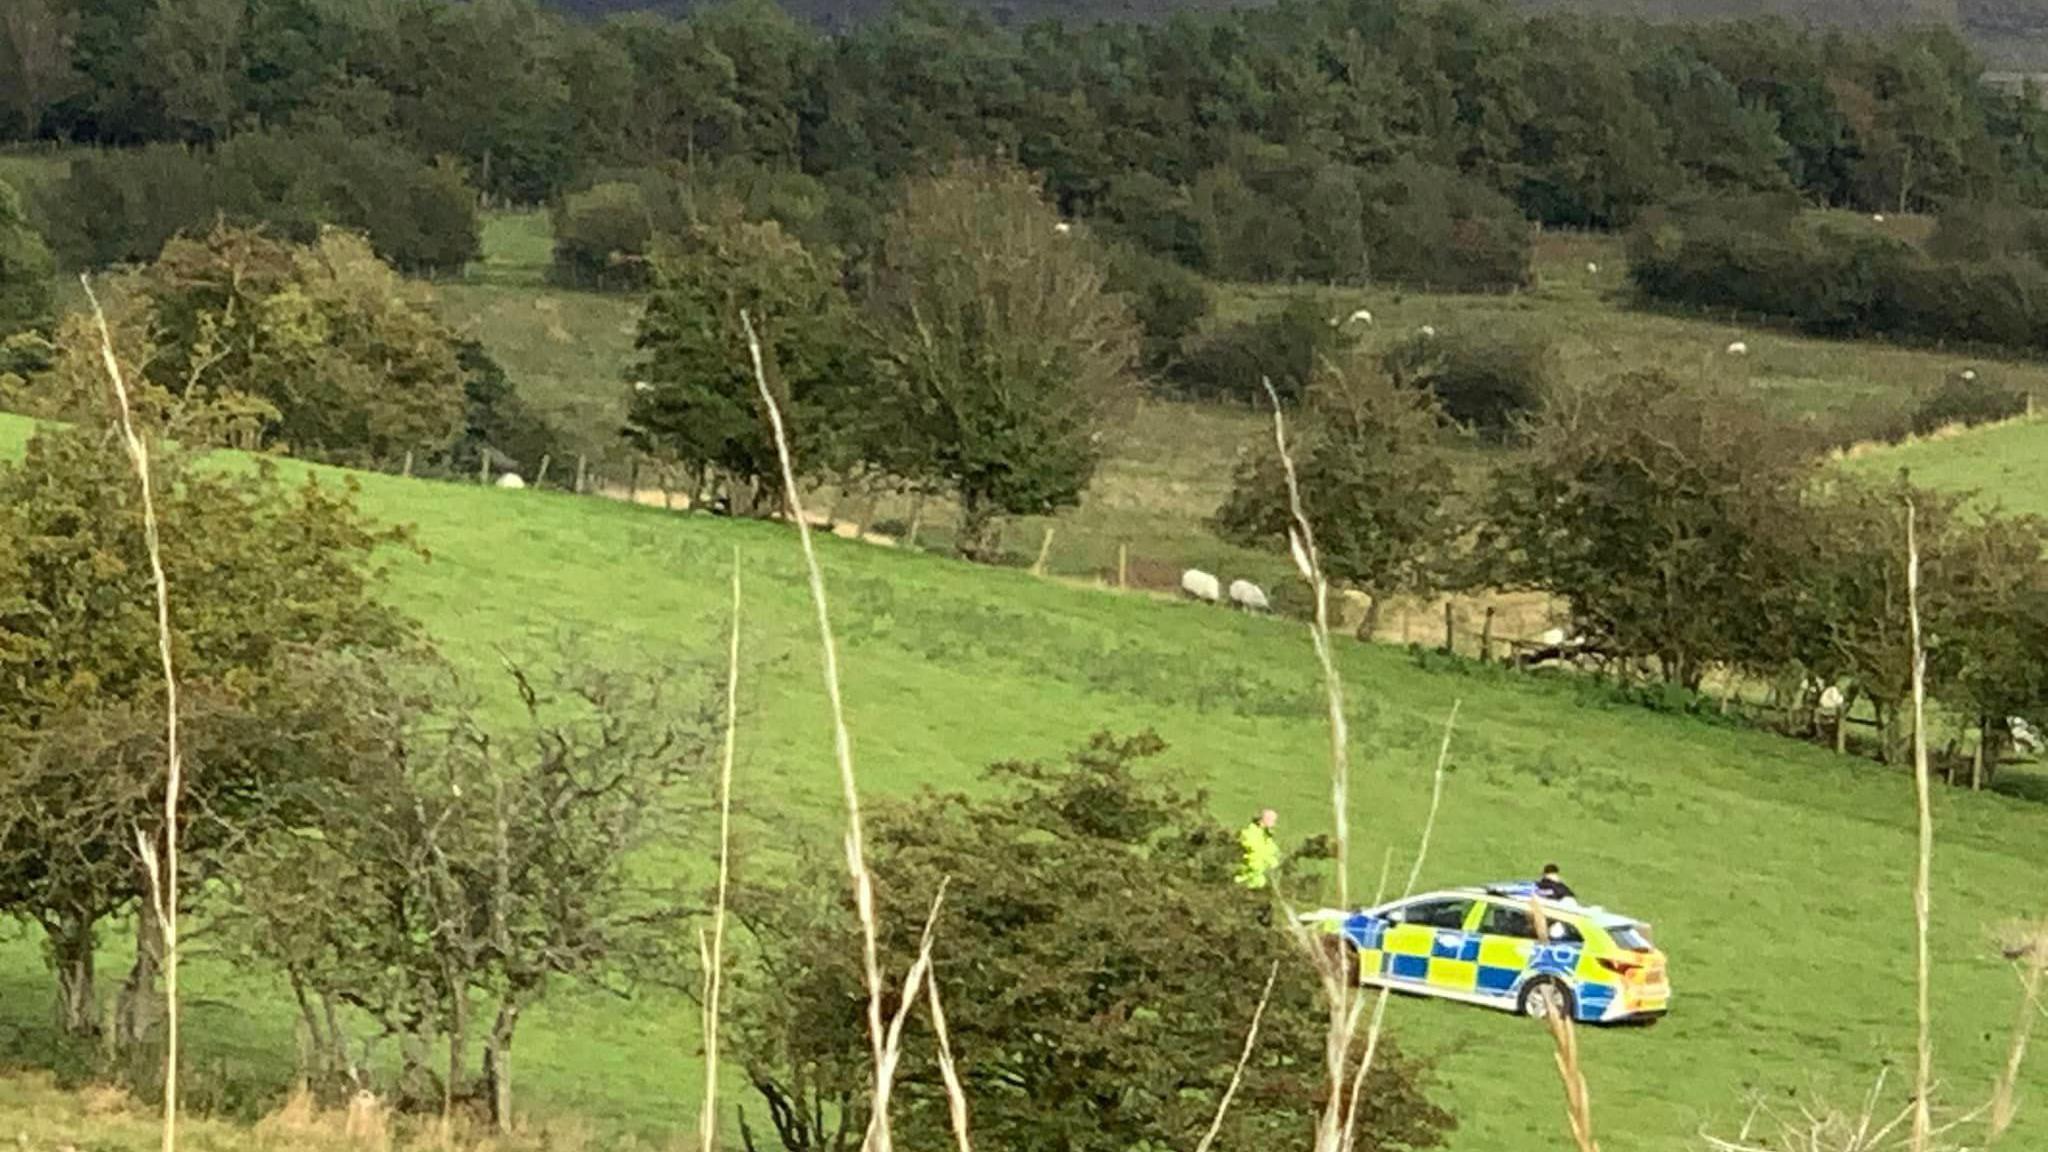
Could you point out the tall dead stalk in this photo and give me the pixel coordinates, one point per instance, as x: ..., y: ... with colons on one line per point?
x: 878, y: 1138
x: 707, y: 1121
x: 163, y: 874
x: 1923, y: 1080
x: 956, y: 1095
x: 2030, y: 954
x: 1251, y: 1043
x: 1564, y: 1034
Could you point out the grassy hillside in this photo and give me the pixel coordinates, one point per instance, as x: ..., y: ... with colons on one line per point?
x: 1776, y: 875
x: 2005, y: 466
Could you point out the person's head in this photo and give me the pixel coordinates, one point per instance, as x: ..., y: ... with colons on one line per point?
x: 1268, y: 818
x: 1550, y: 872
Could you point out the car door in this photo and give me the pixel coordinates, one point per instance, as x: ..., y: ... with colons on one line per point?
x: 1507, y: 948
x: 1428, y: 945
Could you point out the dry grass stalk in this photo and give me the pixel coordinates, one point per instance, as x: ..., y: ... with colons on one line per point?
x: 714, y: 968
x: 878, y: 1137
x: 1379, y: 1008
x: 1818, y: 1128
x: 1564, y: 1034
x: 2029, y: 952
x: 1251, y: 1042
x: 1923, y: 1080
x: 892, y: 1046
x: 1341, y: 993
x: 163, y: 876
x: 956, y: 1095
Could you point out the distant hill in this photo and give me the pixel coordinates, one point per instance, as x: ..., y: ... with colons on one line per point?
x: 2012, y: 34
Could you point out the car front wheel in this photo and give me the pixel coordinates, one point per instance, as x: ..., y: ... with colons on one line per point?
x: 1542, y: 997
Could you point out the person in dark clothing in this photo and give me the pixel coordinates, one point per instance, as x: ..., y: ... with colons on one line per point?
x: 1552, y: 885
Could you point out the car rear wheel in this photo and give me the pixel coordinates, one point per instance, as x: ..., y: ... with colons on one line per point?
x: 1542, y: 997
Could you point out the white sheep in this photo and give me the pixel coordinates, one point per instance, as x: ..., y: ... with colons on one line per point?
x: 1362, y: 316
x: 1249, y: 596
x: 1877, y: 218
x: 1201, y: 585
x: 1969, y: 375
x: 2024, y: 737
x: 642, y: 387
x: 1551, y: 638
x: 1592, y: 269
x: 510, y: 480
x: 1738, y: 348
x: 1063, y: 227
x: 1428, y: 330
x: 1831, y: 699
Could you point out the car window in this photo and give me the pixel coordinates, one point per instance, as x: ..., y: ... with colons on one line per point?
x: 1563, y: 933
x: 1501, y: 920
x: 1631, y: 937
x: 1436, y: 913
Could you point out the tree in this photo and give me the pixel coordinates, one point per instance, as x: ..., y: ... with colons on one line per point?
x: 458, y: 868
x: 1097, y: 966
x: 1376, y: 483
x: 35, y: 44
x: 194, y: 48
x: 1002, y: 355
x: 262, y: 576
x: 25, y: 269
x: 335, y: 355
x: 1663, y: 515
x: 700, y: 401
x: 1286, y: 346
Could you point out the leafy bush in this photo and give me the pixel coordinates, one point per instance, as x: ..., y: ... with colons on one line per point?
x: 1961, y: 400
x: 1168, y: 301
x: 122, y: 207
x: 1283, y: 346
x: 1431, y: 227
x: 25, y: 270
x: 1484, y: 380
x: 1763, y: 258
x: 1979, y: 231
x: 602, y: 238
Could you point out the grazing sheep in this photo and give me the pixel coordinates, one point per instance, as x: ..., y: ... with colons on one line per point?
x: 1063, y: 227
x: 1249, y: 596
x: 1592, y: 269
x: 1831, y: 699
x: 1551, y: 638
x: 2024, y: 737
x: 1877, y: 218
x: 1201, y: 585
x: 1362, y: 316
x: 1428, y: 330
x: 511, y: 480
x: 1970, y: 375
x: 642, y: 387
x: 1738, y: 348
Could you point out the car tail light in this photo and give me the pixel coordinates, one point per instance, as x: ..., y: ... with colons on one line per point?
x: 1621, y: 968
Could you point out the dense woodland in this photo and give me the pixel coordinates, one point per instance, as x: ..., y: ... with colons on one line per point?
x: 1297, y: 141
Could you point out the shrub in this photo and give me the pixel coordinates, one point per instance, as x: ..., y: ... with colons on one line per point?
x: 25, y: 270
x: 1979, y: 231
x: 122, y: 207
x: 1431, y: 227
x: 602, y: 238
x: 1283, y: 346
x: 1485, y: 381
x: 1168, y: 301
x: 1965, y: 401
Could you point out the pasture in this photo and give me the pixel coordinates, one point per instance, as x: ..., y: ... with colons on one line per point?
x: 1776, y: 874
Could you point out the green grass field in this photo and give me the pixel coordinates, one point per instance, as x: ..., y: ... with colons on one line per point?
x: 2005, y: 466
x: 1776, y: 874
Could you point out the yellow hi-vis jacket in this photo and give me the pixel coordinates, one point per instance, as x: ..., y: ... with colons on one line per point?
x: 1261, y: 855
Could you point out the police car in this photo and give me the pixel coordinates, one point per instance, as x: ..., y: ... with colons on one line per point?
x: 1480, y: 946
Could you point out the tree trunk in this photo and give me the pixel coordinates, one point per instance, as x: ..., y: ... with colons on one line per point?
x: 498, y: 1065
x: 1884, y: 732
x: 1842, y: 721
x: 71, y: 954
x: 979, y: 540
x: 1369, y: 624
x: 138, y: 1010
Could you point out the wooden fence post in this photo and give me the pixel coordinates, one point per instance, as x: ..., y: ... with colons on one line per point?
x: 582, y: 466
x: 1450, y: 629
x: 1044, y: 547
x: 1486, y: 638
x: 916, y: 521
x: 483, y: 466
x: 633, y: 482
x: 541, y: 477
x: 408, y: 463
x: 1123, y: 565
